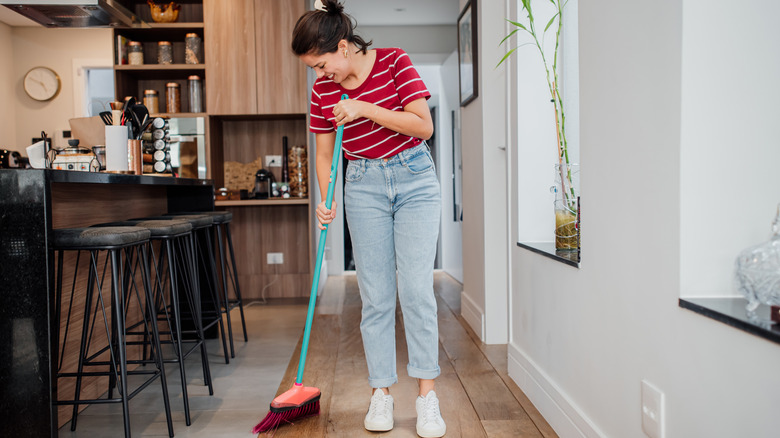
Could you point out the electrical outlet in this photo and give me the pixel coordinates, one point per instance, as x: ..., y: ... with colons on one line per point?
x: 275, y: 258
x: 652, y: 411
x: 273, y: 161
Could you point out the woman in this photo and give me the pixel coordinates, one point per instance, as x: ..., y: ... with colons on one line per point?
x: 392, y: 198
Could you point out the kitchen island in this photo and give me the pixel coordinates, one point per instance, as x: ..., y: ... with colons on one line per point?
x: 32, y: 204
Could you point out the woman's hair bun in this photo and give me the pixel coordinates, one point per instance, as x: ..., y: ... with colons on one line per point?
x: 333, y: 7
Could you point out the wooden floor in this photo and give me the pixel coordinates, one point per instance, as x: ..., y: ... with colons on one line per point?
x: 477, y: 397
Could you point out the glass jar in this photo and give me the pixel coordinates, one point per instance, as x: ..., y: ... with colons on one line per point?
x: 172, y: 97
x: 196, y: 94
x: 192, y: 49
x: 164, y: 52
x: 298, y: 168
x: 152, y: 101
x: 135, y: 53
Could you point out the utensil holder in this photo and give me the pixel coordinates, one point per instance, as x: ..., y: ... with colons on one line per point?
x: 116, y: 148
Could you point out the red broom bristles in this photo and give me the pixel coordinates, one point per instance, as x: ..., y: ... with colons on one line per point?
x: 276, y: 418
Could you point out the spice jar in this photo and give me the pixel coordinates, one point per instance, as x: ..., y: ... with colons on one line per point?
x: 152, y: 101
x: 172, y: 97
x: 196, y: 94
x: 192, y: 49
x: 164, y: 52
x: 135, y: 53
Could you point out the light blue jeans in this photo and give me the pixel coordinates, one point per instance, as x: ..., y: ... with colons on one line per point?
x: 393, y: 210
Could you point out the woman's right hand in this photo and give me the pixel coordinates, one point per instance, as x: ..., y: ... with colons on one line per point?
x: 325, y: 216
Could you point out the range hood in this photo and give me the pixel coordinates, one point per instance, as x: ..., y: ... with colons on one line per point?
x: 76, y: 13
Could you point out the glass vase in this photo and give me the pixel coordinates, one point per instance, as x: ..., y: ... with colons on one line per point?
x: 566, y: 207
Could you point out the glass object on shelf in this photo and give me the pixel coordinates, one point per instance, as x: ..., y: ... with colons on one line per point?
x: 164, y: 13
x: 192, y: 49
x: 196, y: 94
x: 135, y: 53
x: 164, y: 52
x: 172, y: 97
x: 757, y: 271
x: 298, y: 169
x: 152, y: 101
x: 566, y: 206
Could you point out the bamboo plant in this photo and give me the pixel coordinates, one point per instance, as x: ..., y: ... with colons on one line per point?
x: 552, y: 84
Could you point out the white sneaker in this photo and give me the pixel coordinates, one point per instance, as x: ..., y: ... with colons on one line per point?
x: 380, y: 413
x: 429, y: 421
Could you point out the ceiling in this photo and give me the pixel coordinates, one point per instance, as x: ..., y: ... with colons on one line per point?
x: 365, y: 12
x: 402, y: 12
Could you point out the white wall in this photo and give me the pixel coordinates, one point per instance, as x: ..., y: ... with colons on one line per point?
x: 666, y: 100
x: 730, y: 143
x: 483, y: 138
x: 429, y: 44
x: 56, y: 49
x: 7, y: 83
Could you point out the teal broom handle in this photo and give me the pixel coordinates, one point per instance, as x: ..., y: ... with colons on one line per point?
x: 320, y: 252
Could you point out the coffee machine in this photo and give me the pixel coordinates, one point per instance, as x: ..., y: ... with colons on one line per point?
x: 263, y: 184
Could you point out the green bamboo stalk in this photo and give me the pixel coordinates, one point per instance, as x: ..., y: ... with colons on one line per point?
x: 552, y: 85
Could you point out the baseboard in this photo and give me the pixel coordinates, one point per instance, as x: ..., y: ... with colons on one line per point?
x: 474, y: 316
x: 555, y: 406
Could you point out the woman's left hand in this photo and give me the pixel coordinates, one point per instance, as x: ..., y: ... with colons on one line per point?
x: 348, y: 110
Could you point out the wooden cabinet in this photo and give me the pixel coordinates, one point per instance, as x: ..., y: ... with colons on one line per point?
x: 252, y: 67
x: 281, y: 76
x: 132, y: 80
x: 230, y: 54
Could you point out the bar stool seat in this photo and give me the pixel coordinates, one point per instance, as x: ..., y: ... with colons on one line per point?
x: 108, y: 237
x: 219, y: 217
x: 196, y: 220
x: 120, y: 243
x: 157, y: 228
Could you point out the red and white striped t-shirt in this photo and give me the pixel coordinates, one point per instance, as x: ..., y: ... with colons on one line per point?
x: 392, y: 84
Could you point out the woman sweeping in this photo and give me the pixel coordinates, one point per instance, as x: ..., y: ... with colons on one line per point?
x: 392, y: 198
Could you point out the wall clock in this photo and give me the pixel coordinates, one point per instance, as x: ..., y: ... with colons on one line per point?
x: 42, y: 83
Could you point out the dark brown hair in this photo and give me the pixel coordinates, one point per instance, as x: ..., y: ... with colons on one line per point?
x: 318, y: 32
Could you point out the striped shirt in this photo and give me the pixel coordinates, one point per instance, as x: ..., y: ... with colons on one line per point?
x: 392, y: 84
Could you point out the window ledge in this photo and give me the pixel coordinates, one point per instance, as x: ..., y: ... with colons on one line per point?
x: 547, y: 249
x: 731, y: 311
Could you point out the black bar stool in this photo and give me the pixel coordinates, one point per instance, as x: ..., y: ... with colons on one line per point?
x: 119, y: 245
x: 174, y: 266
x: 211, y: 302
x: 224, y: 245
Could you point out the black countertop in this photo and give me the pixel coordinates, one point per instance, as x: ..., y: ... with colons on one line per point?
x: 69, y: 176
x: 732, y: 311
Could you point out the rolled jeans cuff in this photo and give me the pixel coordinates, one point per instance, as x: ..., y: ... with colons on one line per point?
x: 382, y: 383
x: 423, y: 374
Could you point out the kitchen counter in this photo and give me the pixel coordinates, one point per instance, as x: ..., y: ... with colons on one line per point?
x: 32, y: 204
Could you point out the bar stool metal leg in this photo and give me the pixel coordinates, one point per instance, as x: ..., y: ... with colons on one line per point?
x: 236, y: 286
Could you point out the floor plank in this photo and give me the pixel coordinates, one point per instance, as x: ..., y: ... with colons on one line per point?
x: 475, y: 399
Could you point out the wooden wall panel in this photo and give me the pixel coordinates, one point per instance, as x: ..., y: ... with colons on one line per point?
x: 258, y: 230
x: 82, y: 205
x: 229, y: 42
x: 281, y: 76
x: 245, y: 140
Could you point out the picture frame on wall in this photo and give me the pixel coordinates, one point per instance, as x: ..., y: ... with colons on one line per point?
x: 468, y: 53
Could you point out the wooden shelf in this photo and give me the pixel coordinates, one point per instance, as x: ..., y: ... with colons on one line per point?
x: 177, y: 25
x: 179, y: 115
x: 255, y: 202
x: 158, y: 67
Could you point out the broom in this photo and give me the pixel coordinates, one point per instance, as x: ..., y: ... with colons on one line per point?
x: 303, y: 401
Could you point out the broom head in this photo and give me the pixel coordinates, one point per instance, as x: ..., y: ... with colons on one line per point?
x: 297, y: 402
